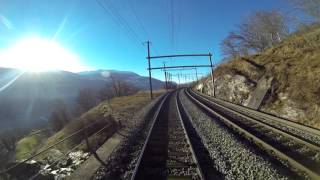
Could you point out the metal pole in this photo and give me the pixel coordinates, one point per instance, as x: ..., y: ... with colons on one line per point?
x: 168, y: 80
x: 171, y: 80
x: 149, y: 63
x: 197, y: 75
x: 165, y: 75
x: 179, y: 79
x: 213, y: 88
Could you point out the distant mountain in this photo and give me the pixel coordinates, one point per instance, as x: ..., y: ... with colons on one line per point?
x: 26, y: 98
x: 140, y: 82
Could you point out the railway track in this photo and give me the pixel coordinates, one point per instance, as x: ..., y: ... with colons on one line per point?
x: 300, y: 153
x: 172, y: 149
x: 307, y: 133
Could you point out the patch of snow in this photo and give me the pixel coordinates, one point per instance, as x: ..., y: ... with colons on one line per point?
x: 105, y: 74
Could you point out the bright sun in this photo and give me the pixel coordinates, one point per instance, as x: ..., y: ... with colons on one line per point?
x: 38, y: 55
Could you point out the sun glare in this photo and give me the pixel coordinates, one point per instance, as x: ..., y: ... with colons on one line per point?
x: 38, y: 55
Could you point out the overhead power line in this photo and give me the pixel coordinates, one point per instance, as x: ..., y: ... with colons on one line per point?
x: 142, y: 27
x: 108, y: 7
x: 140, y: 23
x: 172, y: 24
x: 178, y: 26
x: 121, y: 21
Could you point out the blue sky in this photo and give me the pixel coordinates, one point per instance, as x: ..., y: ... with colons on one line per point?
x: 102, y: 40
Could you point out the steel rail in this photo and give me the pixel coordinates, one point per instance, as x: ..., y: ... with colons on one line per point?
x: 135, y: 171
x: 185, y: 135
x: 269, y: 148
x: 258, y: 114
x: 295, y: 138
x: 191, y: 147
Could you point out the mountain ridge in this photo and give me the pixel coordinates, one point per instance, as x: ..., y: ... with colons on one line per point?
x: 29, y: 97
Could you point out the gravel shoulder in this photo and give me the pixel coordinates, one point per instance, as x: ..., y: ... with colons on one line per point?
x: 122, y: 160
x: 122, y: 110
x: 91, y: 165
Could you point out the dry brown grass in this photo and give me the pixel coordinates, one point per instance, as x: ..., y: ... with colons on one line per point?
x: 107, y: 113
x: 241, y: 67
x: 124, y: 107
x: 295, y: 65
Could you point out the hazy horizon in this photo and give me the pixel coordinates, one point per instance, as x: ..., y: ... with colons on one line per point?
x: 90, y: 35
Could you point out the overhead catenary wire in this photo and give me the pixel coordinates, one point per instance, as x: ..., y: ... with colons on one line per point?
x: 140, y: 23
x: 122, y: 19
x: 108, y: 11
x: 116, y: 16
x: 178, y: 26
x: 172, y: 24
x: 108, y: 8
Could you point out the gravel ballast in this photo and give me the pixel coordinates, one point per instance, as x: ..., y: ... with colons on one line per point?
x: 313, y: 138
x: 121, y: 163
x: 233, y: 158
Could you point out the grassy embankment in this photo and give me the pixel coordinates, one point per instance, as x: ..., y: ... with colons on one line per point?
x: 107, y: 113
x: 295, y: 66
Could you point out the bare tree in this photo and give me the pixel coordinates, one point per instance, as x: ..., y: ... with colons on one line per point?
x: 59, y: 116
x: 86, y: 100
x: 232, y: 46
x: 263, y: 29
x: 122, y: 88
x: 259, y: 31
x: 106, y: 93
x: 116, y: 85
x: 310, y: 7
x: 8, y: 143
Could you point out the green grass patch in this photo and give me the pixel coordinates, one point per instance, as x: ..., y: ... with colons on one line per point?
x: 28, y: 145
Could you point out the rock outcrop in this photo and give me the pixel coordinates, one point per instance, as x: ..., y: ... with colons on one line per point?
x: 282, y: 84
x: 232, y: 88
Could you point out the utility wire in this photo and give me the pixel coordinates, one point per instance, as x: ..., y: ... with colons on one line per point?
x: 111, y: 10
x: 138, y: 19
x: 122, y: 19
x: 178, y: 28
x: 172, y: 24
x: 140, y: 24
x: 118, y: 19
x: 114, y: 18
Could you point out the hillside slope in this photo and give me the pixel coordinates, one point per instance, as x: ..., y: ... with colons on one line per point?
x: 292, y: 68
x: 116, y: 113
x: 28, y: 98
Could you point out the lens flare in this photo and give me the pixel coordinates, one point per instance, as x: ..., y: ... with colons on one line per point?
x: 38, y: 55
